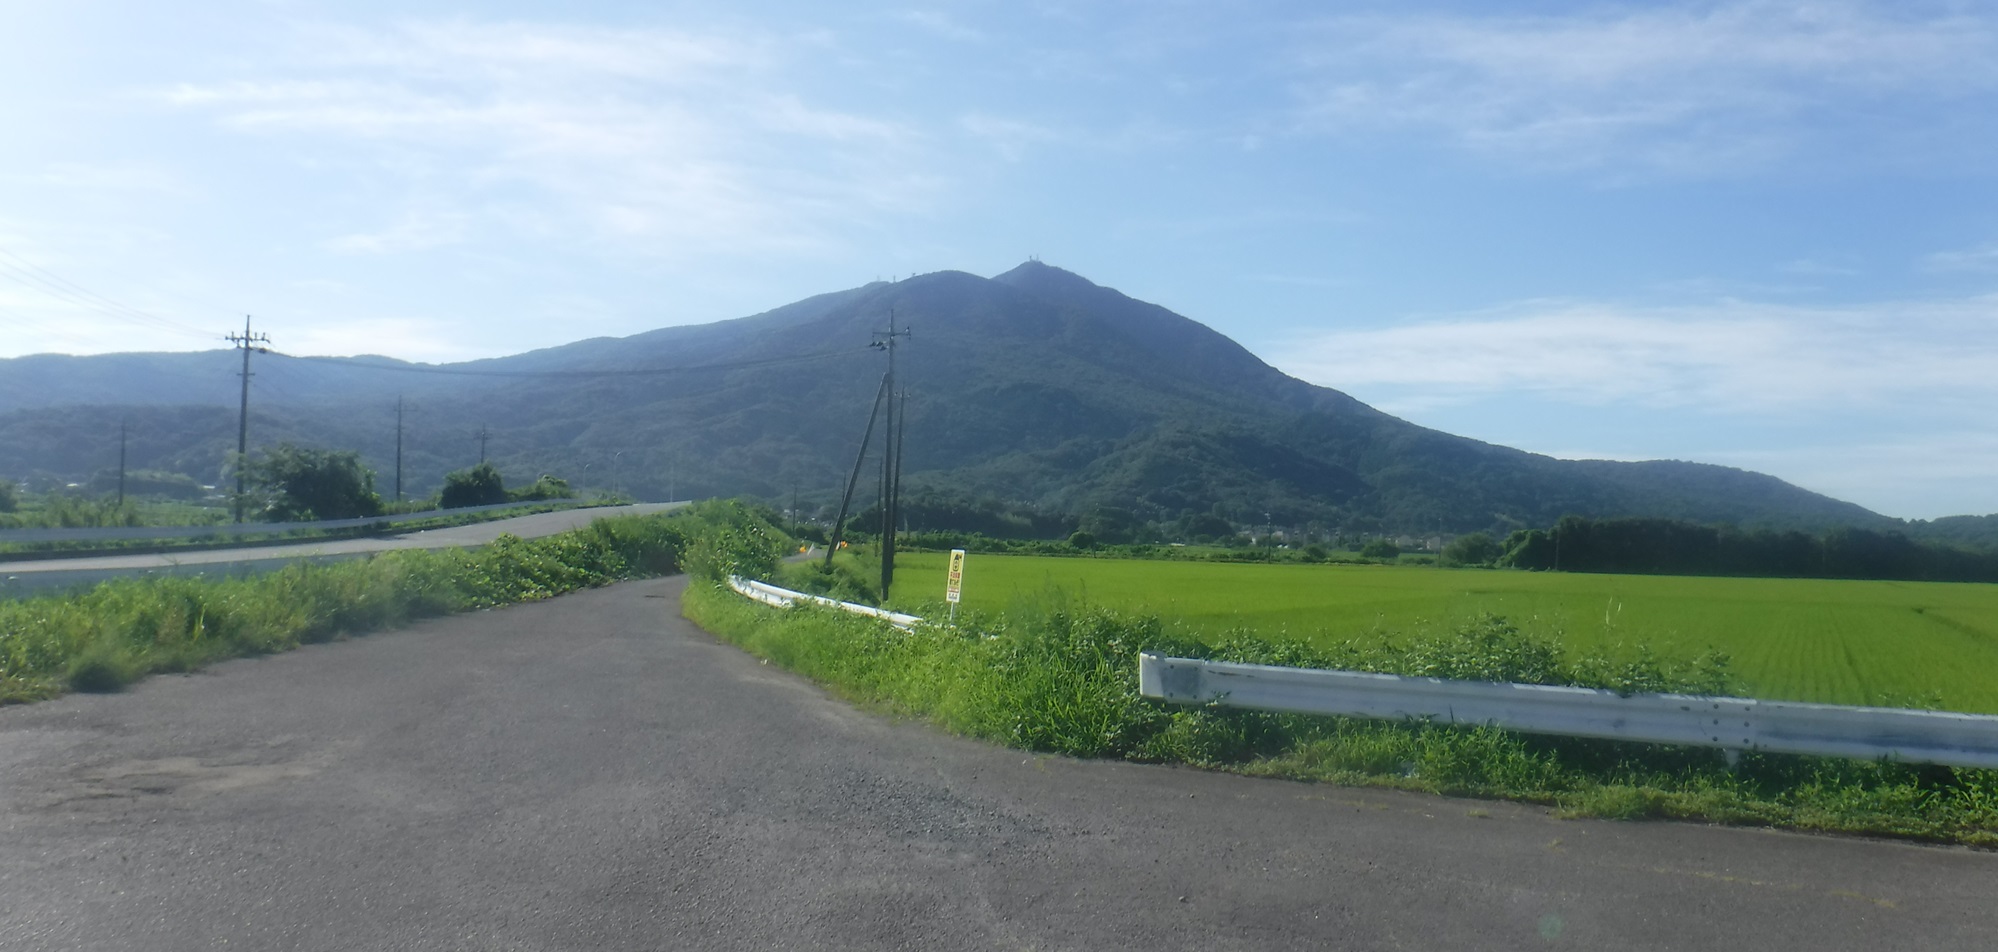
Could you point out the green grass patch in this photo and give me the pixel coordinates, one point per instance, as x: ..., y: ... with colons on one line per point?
x: 117, y: 632
x: 1929, y: 644
x: 438, y: 519
x: 1046, y: 676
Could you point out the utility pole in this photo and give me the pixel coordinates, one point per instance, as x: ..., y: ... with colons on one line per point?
x: 245, y: 343
x: 483, y: 435
x: 901, y: 428
x: 398, y: 448
x: 846, y: 498
x: 891, y: 455
x: 121, y: 464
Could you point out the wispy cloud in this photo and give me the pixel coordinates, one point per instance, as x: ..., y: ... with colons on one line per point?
x: 1693, y: 90
x: 1010, y: 138
x: 1981, y: 258
x: 406, y: 337
x: 942, y: 24
x: 416, y: 231
x: 675, y: 140
x: 112, y: 178
x: 1730, y: 358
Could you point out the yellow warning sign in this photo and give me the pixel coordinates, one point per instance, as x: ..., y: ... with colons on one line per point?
x: 954, y: 585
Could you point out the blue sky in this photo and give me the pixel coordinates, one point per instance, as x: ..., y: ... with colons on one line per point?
x: 1757, y: 234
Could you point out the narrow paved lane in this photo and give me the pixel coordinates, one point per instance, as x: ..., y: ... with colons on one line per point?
x: 594, y: 773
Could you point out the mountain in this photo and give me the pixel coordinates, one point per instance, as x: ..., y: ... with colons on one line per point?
x: 1035, y: 387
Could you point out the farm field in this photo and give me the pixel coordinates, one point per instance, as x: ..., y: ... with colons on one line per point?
x: 1829, y: 641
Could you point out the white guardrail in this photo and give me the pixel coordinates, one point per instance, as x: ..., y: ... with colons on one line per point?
x: 770, y: 594
x: 1730, y: 723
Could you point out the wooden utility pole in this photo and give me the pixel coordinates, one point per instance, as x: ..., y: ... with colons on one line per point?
x: 246, y: 342
x: 398, y: 448
x: 846, y: 498
x: 121, y: 464
x: 891, y: 457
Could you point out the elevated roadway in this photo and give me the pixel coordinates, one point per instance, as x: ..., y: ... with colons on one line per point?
x: 30, y: 575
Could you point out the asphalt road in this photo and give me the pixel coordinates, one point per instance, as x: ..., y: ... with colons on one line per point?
x: 24, y: 575
x: 592, y: 772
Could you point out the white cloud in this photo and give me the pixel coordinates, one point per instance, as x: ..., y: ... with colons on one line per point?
x: 1983, y: 259
x: 941, y: 24
x: 1731, y: 358
x: 653, y: 139
x: 408, y: 338
x: 1011, y: 138
x: 114, y: 178
x: 1695, y: 89
x: 416, y: 231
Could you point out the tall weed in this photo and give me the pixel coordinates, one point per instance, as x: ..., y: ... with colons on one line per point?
x: 124, y: 629
x: 1051, y: 676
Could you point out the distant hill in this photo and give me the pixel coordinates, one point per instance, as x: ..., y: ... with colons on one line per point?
x: 1035, y: 387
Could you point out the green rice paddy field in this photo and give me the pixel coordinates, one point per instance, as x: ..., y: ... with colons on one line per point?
x: 1840, y: 642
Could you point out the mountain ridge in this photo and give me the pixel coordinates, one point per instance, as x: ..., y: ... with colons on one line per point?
x: 1035, y: 386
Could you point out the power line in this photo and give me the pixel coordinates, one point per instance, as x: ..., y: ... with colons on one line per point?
x: 25, y: 272
x: 38, y: 325
x: 180, y: 296
x: 80, y: 294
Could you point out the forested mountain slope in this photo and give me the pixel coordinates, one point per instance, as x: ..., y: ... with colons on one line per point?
x: 1034, y: 387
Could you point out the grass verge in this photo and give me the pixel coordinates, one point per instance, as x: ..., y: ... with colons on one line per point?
x: 1064, y: 680
x: 122, y: 630
x: 441, y: 519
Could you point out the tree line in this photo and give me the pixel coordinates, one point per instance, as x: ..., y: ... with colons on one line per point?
x: 1672, y: 547
x: 290, y: 483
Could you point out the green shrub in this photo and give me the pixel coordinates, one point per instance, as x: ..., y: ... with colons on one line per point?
x: 296, y: 484
x: 546, y: 487
x: 480, y: 485
x: 1476, y: 548
x: 845, y: 579
x: 121, y: 630
x: 735, y: 542
x: 1380, y: 549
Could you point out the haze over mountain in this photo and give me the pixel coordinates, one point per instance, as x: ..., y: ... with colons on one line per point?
x: 1035, y: 387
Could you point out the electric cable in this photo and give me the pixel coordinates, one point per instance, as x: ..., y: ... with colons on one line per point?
x: 26, y: 273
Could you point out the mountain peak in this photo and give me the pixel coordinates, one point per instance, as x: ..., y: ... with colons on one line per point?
x: 1033, y: 274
